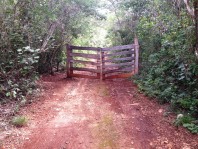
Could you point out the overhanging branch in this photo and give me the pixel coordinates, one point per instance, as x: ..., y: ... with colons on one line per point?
x: 189, y: 9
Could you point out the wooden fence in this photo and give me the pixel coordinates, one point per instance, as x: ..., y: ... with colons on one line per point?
x: 103, y: 63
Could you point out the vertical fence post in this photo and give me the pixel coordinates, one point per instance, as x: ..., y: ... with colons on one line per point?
x: 71, y: 63
x: 136, y: 55
x: 98, y: 64
x: 133, y: 60
x: 102, y: 76
x: 68, y: 64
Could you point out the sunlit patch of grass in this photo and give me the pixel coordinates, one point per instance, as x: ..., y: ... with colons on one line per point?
x: 106, y: 134
x: 19, y: 121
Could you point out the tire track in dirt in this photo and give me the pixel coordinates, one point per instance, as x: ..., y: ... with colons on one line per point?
x: 50, y: 131
x: 93, y: 114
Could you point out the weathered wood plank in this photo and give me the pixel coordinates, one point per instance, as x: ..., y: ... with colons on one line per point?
x: 68, y: 61
x: 84, y: 48
x: 125, y: 75
x: 98, y: 66
x: 136, y: 55
x: 120, y: 59
x: 119, y: 65
x: 126, y: 69
x: 119, y: 71
x: 131, y: 46
x: 85, y: 69
x: 85, y: 62
x: 93, y: 56
x: 120, y: 53
x: 84, y: 76
x: 126, y: 55
x: 102, y: 63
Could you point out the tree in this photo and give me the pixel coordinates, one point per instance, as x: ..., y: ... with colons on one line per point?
x: 33, y: 35
x: 196, y: 21
x: 193, y: 12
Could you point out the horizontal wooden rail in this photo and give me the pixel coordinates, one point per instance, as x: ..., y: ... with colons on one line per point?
x: 104, y: 63
x: 120, y: 53
x: 93, y: 56
x: 85, y: 62
x: 119, y: 65
x: 126, y: 69
x: 85, y: 48
x: 113, y: 60
x: 124, y: 47
x: 85, y: 69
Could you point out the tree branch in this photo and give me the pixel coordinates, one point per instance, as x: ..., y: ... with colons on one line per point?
x: 190, y: 10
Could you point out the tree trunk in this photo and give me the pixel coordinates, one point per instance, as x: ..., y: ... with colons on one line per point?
x: 50, y: 33
x: 189, y: 9
x: 196, y: 22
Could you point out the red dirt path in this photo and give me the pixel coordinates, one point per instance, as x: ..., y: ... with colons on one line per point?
x: 90, y: 114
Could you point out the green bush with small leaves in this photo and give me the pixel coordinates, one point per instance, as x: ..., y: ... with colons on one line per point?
x: 168, y: 63
x: 191, y: 127
x: 188, y: 122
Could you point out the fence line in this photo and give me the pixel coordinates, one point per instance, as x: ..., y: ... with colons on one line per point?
x: 103, y: 63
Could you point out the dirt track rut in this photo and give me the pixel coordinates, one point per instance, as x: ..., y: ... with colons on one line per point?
x: 90, y: 114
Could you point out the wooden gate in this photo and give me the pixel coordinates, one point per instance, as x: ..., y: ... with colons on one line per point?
x: 103, y: 63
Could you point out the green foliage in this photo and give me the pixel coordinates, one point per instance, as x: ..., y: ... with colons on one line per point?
x: 169, y: 71
x: 19, y: 121
x: 191, y: 127
x: 18, y: 74
x: 168, y: 65
x: 183, y: 120
x: 24, y: 28
x: 188, y: 122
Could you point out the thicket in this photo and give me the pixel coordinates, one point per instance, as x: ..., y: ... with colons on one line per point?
x: 168, y: 61
x: 33, y: 35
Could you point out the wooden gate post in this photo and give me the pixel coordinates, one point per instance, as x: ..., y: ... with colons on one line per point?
x: 68, y: 64
x: 102, y: 76
x: 98, y: 64
x: 136, y: 55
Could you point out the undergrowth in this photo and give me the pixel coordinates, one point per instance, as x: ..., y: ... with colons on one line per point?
x: 19, y: 121
x: 172, y: 79
x: 169, y: 67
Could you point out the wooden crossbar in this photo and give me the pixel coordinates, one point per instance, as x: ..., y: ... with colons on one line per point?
x: 124, y: 47
x: 120, y: 61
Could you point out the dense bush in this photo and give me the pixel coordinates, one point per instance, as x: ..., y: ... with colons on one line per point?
x: 33, y: 35
x: 168, y: 64
x: 169, y: 69
x: 18, y: 74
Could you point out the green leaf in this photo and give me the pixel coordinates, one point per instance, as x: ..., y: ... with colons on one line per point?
x: 8, y: 94
x: 14, y: 93
x: 191, y: 127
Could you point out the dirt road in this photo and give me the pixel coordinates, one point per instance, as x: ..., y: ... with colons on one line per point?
x: 89, y: 114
